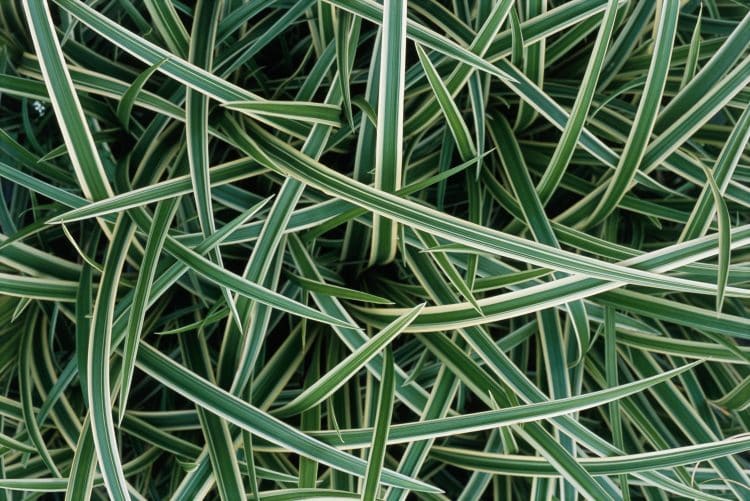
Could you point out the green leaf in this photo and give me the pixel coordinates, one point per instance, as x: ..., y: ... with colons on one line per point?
x: 401, y: 433
x: 700, y: 217
x: 695, y: 44
x: 382, y: 425
x: 340, y: 292
x: 643, y: 123
x: 81, y: 478
x: 373, y: 12
x: 725, y: 242
x: 390, y: 126
x: 525, y: 465
x: 85, y: 160
x: 347, y: 368
x: 125, y: 106
x: 536, y: 220
x: 257, y: 422
x: 288, y: 161
x: 571, y: 134
x: 326, y: 114
x: 98, y: 363
x: 29, y: 418
x: 163, y: 215
x: 455, y: 122
x: 346, y: 38
x: 738, y: 398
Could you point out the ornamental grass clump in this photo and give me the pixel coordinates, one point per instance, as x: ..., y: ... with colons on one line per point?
x: 345, y: 249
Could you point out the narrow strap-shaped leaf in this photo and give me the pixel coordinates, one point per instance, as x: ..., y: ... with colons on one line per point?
x: 178, y: 185
x: 250, y: 468
x: 536, y: 219
x: 671, y: 311
x: 248, y: 417
x: 526, y: 465
x: 455, y: 425
x: 310, y: 420
x: 643, y: 123
x: 478, y: 103
x: 98, y: 363
x: 220, y: 447
x: 38, y: 288
x: 695, y: 44
x: 326, y: 114
x: 85, y: 159
x: 81, y: 477
x: 610, y: 362
x: 339, y: 375
x: 13, y: 444
x: 340, y: 292
x: 455, y: 122
x: 163, y: 215
x: 390, y: 129
x: 700, y: 217
x: 569, y: 139
x: 125, y: 106
x: 83, y: 324
x: 34, y: 484
x: 725, y: 243
x: 24, y: 377
x: 382, y: 425
x: 290, y: 161
x: 346, y: 38
x: 534, y: 56
x: 373, y: 12
x: 738, y: 399
x: 516, y: 56
x: 295, y: 494
x: 167, y: 22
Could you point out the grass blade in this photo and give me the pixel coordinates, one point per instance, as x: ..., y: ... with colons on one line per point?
x: 382, y: 424
x: 644, y: 120
x: 337, y: 377
x: 389, y: 136
x: 86, y: 162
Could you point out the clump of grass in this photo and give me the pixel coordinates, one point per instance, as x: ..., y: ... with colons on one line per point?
x: 343, y: 249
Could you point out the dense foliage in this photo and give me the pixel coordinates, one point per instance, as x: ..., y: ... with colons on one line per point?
x: 293, y: 249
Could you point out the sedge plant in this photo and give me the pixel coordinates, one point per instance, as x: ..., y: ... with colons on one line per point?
x: 353, y: 249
